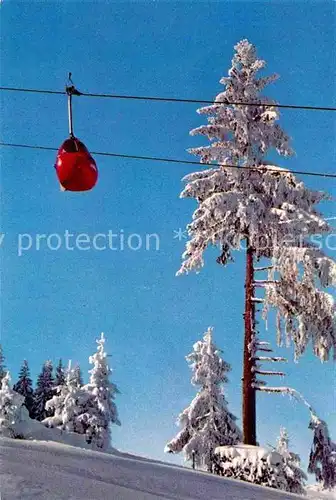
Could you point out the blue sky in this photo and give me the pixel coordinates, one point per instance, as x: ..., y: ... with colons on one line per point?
x: 55, y: 303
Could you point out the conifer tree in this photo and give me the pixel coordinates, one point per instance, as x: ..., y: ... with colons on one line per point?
x: 11, y: 408
x: 77, y: 376
x: 2, y: 364
x: 207, y: 422
x: 322, y: 459
x: 67, y: 406
x: 24, y: 386
x: 43, y: 392
x: 101, y: 410
x: 247, y: 202
x: 88, y: 409
x: 59, y: 374
x: 294, y: 475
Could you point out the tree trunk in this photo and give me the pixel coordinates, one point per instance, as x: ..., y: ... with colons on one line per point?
x: 249, y: 393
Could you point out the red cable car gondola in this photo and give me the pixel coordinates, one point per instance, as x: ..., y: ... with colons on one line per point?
x: 76, y: 169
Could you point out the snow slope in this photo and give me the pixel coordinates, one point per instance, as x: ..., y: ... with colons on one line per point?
x: 50, y: 471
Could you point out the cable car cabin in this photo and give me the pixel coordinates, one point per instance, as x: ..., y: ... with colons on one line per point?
x: 76, y: 169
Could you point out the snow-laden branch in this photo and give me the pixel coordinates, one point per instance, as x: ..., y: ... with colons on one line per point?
x: 270, y: 358
x: 263, y: 268
x: 268, y: 372
x: 264, y: 283
x: 286, y: 390
x: 322, y: 459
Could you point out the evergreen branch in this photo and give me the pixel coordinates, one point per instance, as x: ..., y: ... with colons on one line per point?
x: 270, y: 358
x: 266, y: 372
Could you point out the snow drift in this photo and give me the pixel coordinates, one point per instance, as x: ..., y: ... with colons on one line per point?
x: 51, y: 471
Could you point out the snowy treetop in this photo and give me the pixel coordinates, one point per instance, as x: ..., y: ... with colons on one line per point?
x: 205, y: 361
x: 242, y: 133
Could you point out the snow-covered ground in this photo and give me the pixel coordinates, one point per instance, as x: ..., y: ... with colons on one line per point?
x: 50, y: 471
x: 313, y: 493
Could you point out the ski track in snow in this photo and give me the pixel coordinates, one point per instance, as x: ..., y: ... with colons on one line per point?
x: 53, y: 471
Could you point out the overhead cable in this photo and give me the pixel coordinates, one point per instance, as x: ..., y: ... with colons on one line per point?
x: 172, y: 99
x: 174, y: 160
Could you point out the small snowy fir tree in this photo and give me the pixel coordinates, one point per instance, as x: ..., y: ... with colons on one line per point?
x: 59, y: 374
x: 77, y: 376
x: 11, y: 408
x: 261, y: 206
x: 44, y: 391
x: 254, y: 464
x: 2, y: 364
x: 55, y: 406
x: 68, y: 405
x: 294, y: 475
x: 322, y: 460
x: 207, y: 422
x: 101, y: 410
x: 24, y: 386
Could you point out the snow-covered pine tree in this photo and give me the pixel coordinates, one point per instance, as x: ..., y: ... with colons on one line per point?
x: 322, y: 459
x: 12, y: 408
x: 254, y: 464
x: 24, y: 386
x: 207, y: 422
x: 77, y: 376
x: 76, y: 403
x: 294, y: 475
x: 44, y: 391
x: 101, y: 410
x: 265, y: 208
x: 2, y: 364
x: 59, y: 374
x: 67, y: 406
